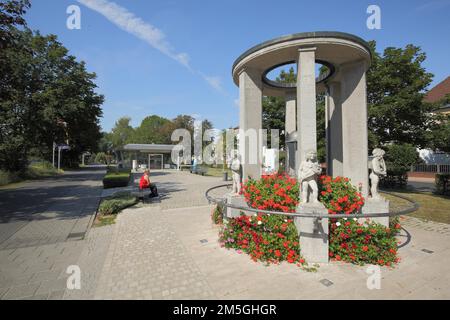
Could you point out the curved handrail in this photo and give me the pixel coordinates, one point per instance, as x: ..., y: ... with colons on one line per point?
x: 415, y: 207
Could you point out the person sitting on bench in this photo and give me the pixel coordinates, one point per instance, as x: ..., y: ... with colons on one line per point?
x: 145, y: 183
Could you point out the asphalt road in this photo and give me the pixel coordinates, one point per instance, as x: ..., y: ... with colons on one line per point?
x: 49, y: 210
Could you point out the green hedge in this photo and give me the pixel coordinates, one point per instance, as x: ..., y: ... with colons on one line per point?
x: 443, y: 183
x: 116, y: 178
x: 117, y: 203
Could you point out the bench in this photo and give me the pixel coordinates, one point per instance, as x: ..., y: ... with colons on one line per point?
x: 198, y: 170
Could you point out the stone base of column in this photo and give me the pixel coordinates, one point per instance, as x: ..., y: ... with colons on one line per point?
x: 379, y: 205
x: 237, y: 200
x: 313, y: 233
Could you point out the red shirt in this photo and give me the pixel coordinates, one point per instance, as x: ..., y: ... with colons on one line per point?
x: 144, y: 183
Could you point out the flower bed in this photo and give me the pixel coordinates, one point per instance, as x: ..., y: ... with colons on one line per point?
x: 360, y: 243
x: 338, y: 195
x: 276, y: 192
x: 274, y: 238
x: 268, y: 238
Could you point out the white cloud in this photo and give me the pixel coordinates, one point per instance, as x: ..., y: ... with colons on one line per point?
x: 214, y: 82
x: 134, y: 25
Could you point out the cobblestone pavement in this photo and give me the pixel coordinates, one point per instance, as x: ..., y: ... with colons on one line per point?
x: 41, y: 231
x: 170, y: 250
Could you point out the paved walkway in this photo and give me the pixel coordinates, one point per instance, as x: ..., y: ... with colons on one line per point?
x: 169, y: 250
x: 42, y: 224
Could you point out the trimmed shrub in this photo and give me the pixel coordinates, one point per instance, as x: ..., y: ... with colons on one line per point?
x: 116, y: 178
x: 442, y: 181
x: 116, y: 203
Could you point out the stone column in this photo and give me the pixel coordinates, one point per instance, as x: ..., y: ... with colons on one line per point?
x: 313, y: 233
x: 291, y: 122
x: 334, y: 129
x: 306, y: 102
x: 250, y: 139
x: 354, y: 125
x: 290, y: 125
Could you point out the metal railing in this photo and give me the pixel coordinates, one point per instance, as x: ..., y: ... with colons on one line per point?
x: 414, y: 207
x: 433, y: 168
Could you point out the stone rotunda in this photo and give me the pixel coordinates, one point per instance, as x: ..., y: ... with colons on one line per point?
x: 347, y: 58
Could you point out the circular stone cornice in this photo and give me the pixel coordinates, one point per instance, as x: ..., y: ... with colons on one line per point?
x: 333, y: 49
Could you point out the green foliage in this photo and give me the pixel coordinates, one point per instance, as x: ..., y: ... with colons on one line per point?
x: 117, y: 203
x: 217, y: 214
x: 399, y: 159
x: 368, y: 243
x: 104, y: 158
x: 46, y: 96
x: 401, y: 156
x: 271, y: 239
x: 396, y: 84
x: 11, y: 16
x: 442, y: 181
x: 154, y: 130
x: 116, y: 178
x: 8, y: 177
x: 439, y: 133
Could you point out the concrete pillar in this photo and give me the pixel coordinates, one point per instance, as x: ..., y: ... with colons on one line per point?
x: 334, y: 129
x: 290, y: 125
x: 306, y: 102
x: 354, y: 125
x: 313, y: 233
x: 250, y: 139
x: 291, y: 120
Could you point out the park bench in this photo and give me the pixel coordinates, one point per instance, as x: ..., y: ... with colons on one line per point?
x: 198, y: 170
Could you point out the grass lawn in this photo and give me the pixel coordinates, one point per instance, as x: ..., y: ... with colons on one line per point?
x: 37, y: 170
x: 432, y: 207
x: 216, y: 172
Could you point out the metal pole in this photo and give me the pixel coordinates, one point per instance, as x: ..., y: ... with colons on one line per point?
x: 53, y: 151
x: 59, y: 158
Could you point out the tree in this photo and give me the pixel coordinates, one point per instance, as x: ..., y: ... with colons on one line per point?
x: 274, y: 108
x: 11, y: 16
x: 396, y: 84
x: 439, y: 133
x: 122, y: 133
x: 46, y: 96
x: 153, y: 129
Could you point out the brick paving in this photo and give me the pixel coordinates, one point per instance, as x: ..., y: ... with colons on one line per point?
x: 168, y: 249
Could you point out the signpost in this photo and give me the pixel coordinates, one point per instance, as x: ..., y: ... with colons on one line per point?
x: 61, y: 147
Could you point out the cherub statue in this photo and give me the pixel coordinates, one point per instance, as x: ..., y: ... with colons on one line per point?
x: 307, y: 174
x: 236, y: 170
x: 378, y: 168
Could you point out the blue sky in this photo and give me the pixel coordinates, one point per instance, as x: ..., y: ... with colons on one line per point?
x: 177, y: 57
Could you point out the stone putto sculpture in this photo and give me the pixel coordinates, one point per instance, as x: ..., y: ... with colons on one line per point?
x: 307, y: 174
x: 378, y: 168
x: 236, y: 170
